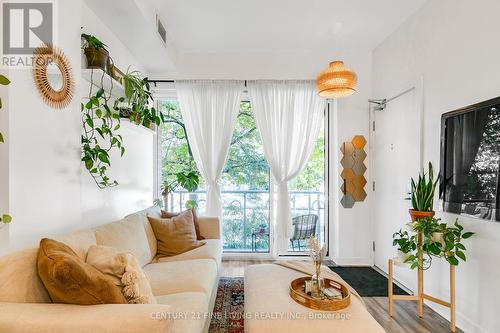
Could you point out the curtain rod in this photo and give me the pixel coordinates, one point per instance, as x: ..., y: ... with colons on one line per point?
x: 173, y: 81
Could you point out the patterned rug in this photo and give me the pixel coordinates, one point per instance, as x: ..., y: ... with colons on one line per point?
x: 228, y: 311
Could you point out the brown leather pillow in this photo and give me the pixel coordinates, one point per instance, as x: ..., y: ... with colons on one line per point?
x: 175, y: 235
x: 68, y: 279
x: 169, y: 215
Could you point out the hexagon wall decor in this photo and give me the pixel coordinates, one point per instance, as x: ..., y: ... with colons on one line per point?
x: 354, y: 168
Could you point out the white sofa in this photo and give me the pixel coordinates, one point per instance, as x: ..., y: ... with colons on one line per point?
x: 185, y: 285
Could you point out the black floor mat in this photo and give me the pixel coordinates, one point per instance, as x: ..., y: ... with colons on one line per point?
x: 366, y: 281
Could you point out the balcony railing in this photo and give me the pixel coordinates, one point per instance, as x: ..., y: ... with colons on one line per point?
x: 245, y: 215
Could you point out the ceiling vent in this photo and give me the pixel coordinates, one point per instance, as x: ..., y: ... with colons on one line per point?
x: 160, y: 28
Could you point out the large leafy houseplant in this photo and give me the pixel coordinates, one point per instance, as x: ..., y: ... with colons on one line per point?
x: 4, y: 81
x: 138, y: 96
x: 99, y: 137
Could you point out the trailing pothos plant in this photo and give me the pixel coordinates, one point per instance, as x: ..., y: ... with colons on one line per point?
x: 100, y: 125
x: 4, y: 218
x: 438, y: 240
x: 139, y: 97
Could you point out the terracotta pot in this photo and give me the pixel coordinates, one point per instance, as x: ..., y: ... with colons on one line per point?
x: 415, y: 214
x: 97, y: 58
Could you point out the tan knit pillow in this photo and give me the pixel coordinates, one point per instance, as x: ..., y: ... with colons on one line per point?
x: 124, y: 269
x: 70, y: 280
x: 169, y: 215
x: 175, y: 235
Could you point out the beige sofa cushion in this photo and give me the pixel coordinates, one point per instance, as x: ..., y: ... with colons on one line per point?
x: 191, y: 304
x: 124, y: 270
x: 153, y: 211
x: 169, y: 215
x: 19, y: 281
x: 175, y: 235
x: 79, y: 241
x: 197, y: 275
x: 211, y: 250
x: 126, y: 235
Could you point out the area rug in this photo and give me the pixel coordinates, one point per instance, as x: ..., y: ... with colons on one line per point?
x: 228, y: 311
x: 366, y: 281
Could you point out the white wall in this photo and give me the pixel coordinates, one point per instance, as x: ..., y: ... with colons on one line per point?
x: 351, y: 242
x: 452, y: 44
x: 4, y: 162
x: 50, y: 192
x: 44, y: 147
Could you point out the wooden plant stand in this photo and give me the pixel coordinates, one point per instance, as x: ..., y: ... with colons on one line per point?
x: 421, y: 296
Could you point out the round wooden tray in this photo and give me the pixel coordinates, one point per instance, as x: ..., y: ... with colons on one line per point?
x: 298, y: 295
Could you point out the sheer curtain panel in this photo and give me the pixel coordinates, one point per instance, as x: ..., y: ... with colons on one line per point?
x: 209, y: 110
x: 289, y: 116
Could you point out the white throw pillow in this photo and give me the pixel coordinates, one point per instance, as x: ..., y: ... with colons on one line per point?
x: 125, y: 271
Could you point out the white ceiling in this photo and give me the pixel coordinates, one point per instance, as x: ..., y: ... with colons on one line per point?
x: 201, y: 26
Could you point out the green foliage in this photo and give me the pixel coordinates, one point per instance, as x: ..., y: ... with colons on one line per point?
x: 404, y: 241
x: 422, y: 192
x: 138, y: 94
x: 90, y: 41
x: 99, y: 138
x: 189, y: 181
x: 438, y: 240
x: 5, y: 218
x: 4, y: 81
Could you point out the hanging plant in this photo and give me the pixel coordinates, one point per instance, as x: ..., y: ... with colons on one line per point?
x: 4, y: 218
x: 139, y: 97
x: 99, y: 138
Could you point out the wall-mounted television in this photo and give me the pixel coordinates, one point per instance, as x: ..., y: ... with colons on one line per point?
x: 470, y: 161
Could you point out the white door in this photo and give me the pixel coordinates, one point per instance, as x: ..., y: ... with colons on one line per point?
x: 396, y: 157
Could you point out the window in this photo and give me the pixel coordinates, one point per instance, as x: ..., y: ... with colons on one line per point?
x: 245, y: 185
x: 244, y: 181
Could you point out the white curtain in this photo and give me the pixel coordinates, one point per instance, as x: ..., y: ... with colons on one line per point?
x: 209, y: 110
x: 288, y: 116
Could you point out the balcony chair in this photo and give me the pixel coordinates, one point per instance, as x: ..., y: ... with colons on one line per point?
x: 304, y: 226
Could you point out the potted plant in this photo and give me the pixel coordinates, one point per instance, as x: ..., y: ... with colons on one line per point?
x: 406, y: 244
x: 96, y: 53
x: 188, y: 180
x: 439, y: 240
x: 138, y: 94
x: 422, y: 195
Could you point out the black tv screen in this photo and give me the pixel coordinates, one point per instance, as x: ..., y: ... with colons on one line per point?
x: 470, y: 161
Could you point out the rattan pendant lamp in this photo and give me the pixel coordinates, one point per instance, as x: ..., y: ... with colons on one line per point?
x: 336, y: 81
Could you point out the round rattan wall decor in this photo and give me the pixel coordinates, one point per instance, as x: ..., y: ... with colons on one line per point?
x: 56, y: 97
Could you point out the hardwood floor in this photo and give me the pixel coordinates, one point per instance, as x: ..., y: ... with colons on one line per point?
x: 405, y: 319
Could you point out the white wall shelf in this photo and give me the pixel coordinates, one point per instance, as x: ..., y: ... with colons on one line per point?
x: 98, y: 78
